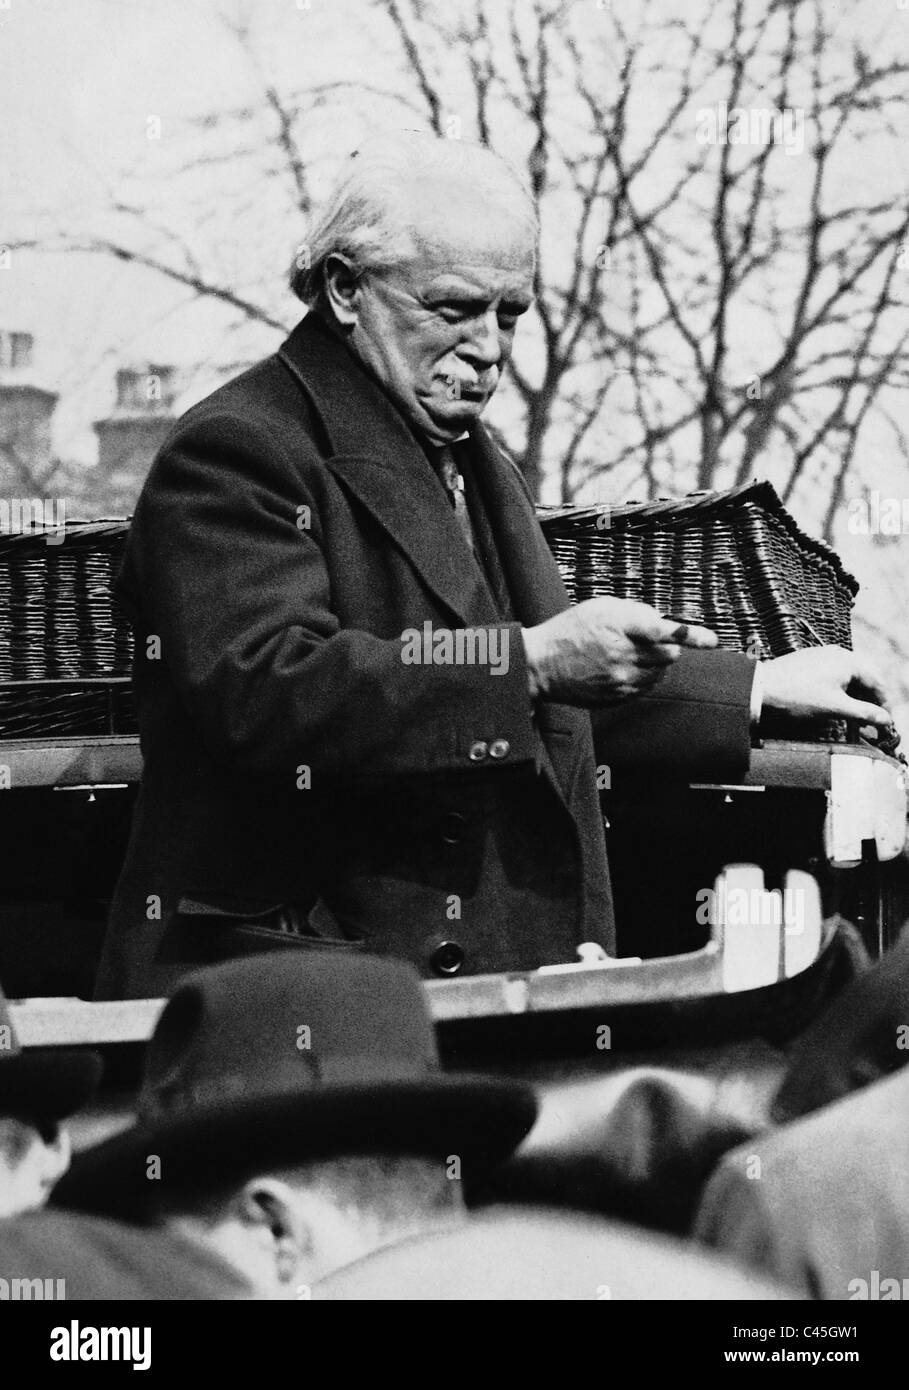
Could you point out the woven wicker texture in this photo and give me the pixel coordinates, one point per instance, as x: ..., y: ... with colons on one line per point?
x: 735, y: 561
x: 65, y: 645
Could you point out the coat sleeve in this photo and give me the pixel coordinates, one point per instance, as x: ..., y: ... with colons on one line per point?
x: 222, y: 571
x: 696, y: 720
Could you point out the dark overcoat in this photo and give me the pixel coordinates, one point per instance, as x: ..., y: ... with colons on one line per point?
x: 291, y: 529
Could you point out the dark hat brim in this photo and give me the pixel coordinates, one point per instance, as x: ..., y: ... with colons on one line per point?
x: 48, y: 1083
x: 478, y: 1119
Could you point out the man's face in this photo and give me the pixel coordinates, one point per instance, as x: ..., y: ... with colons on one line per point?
x: 438, y: 330
x: 32, y: 1160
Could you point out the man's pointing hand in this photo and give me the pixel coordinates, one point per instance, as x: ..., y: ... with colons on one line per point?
x: 605, y: 650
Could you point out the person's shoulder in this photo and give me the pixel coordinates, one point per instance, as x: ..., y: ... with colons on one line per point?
x: 263, y: 396
x: 78, y: 1256
x: 257, y: 425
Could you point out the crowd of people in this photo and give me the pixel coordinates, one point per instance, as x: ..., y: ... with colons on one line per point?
x: 296, y: 1137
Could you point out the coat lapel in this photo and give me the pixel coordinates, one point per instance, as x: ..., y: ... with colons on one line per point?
x: 376, y: 458
x: 531, y: 574
x: 410, y: 505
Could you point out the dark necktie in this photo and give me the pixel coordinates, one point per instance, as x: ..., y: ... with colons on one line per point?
x: 445, y: 465
x: 448, y: 463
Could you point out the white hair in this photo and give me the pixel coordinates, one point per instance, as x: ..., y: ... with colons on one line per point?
x: 373, y: 206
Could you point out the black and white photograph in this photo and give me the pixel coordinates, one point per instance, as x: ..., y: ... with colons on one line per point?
x: 454, y: 665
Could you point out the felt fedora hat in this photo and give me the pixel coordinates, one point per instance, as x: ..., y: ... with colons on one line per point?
x: 285, y: 1057
x: 43, y: 1083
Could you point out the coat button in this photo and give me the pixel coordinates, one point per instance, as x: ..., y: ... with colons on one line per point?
x: 478, y: 751
x: 453, y: 826
x: 499, y: 748
x: 447, y: 958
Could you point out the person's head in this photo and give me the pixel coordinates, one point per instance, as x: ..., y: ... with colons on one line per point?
x: 424, y: 259
x: 40, y: 1088
x: 286, y: 1228
x: 294, y: 1116
x: 33, y: 1155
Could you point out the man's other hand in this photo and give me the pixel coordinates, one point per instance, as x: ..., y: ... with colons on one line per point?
x: 605, y: 650
x: 825, y: 681
x: 859, y: 1038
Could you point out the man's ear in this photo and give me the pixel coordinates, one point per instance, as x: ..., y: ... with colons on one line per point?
x: 342, y: 289
x: 266, y: 1206
x: 58, y: 1153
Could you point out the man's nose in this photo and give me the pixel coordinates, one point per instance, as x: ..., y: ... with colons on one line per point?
x: 483, y: 346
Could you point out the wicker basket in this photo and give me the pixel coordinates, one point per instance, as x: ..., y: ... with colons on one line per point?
x: 735, y: 561
x: 65, y: 645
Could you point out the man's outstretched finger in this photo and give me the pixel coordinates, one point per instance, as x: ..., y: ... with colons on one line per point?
x: 695, y: 636
x: 864, y: 713
x: 663, y: 630
x: 646, y: 628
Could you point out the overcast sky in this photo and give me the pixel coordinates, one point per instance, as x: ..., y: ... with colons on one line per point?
x: 80, y: 82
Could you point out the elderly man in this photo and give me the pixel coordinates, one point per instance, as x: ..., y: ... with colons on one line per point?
x: 362, y: 695
x: 39, y: 1089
